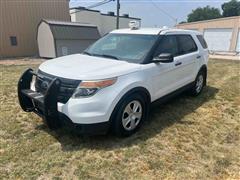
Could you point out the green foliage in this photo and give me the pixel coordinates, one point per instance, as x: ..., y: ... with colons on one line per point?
x: 182, y: 22
x: 231, y: 8
x: 204, y: 13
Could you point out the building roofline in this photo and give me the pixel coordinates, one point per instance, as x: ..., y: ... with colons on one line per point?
x: 86, y: 9
x: 210, y: 20
x: 63, y: 23
x: 129, y: 17
x: 66, y: 23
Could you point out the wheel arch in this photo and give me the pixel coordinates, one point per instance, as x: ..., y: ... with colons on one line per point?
x: 204, y: 70
x: 141, y: 90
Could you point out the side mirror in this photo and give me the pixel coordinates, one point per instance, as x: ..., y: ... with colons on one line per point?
x: 163, y: 58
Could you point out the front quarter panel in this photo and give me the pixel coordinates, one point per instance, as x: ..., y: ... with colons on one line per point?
x: 99, y: 107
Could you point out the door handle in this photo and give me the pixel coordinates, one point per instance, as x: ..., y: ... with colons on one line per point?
x: 178, y: 63
x: 198, y: 57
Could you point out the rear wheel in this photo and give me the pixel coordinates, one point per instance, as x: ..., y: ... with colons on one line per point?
x: 199, y: 83
x: 129, y: 115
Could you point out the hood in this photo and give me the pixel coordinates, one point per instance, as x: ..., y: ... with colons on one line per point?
x: 84, y: 67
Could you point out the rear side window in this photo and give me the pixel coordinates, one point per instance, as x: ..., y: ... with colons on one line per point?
x: 167, y: 45
x: 186, y: 44
x: 202, y: 41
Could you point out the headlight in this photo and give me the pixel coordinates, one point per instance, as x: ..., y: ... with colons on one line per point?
x: 89, y: 88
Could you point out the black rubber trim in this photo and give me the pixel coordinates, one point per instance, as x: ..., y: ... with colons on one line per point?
x: 24, y: 83
x: 84, y: 129
x: 173, y: 94
x: 44, y: 105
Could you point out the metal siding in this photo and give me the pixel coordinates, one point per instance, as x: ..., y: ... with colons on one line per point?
x: 105, y: 23
x: 229, y: 22
x: 20, y: 18
x: 218, y: 39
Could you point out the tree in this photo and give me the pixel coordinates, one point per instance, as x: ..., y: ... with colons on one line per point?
x: 231, y: 8
x: 182, y: 22
x: 205, y: 13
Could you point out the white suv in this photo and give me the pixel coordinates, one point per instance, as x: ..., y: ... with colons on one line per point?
x: 112, y: 84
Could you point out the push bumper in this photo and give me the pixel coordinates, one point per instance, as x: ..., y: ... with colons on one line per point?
x: 46, y: 106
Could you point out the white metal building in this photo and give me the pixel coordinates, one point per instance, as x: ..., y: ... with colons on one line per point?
x: 222, y: 34
x: 57, y: 38
x: 104, y: 22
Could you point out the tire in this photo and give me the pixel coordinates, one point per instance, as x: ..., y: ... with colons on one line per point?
x: 199, y: 84
x: 129, y: 115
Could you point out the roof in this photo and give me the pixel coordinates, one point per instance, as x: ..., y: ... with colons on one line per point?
x: 66, y: 23
x: 147, y: 31
x: 129, y: 17
x: 72, y: 31
x: 152, y: 31
x: 210, y: 20
x: 80, y: 8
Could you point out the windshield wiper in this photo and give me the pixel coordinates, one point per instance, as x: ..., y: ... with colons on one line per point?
x: 107, y: 56
x: 100, y: 55
x: 85, y: 52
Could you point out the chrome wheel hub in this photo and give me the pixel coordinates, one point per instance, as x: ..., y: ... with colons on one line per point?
x: 132, y: 115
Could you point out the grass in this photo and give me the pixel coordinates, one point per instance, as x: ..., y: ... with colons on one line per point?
x: 187, y: 138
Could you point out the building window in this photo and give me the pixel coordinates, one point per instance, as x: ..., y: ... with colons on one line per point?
x: 13, y: 40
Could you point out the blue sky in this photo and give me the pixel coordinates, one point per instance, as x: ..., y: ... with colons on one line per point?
x: 149, y: 11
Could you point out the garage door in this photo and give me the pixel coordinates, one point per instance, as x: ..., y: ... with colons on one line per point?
x: 238, y: 42
x: 218, y: 39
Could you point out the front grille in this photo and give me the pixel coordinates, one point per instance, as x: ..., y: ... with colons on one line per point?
x: 67, y: 87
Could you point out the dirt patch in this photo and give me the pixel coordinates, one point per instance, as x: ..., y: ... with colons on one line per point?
x: 22, y: 61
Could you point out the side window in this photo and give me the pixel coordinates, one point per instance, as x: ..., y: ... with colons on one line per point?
x: 202, y: 41
x: 167, y: 45
x: 186, y: 44
x: 13, y: 40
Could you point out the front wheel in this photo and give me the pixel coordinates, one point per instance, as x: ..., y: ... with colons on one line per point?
x: 130, y: 115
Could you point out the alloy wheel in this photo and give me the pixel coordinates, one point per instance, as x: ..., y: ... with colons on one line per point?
x: 132, y: 115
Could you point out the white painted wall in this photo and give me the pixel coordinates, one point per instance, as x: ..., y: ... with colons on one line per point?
x: 104, y: 23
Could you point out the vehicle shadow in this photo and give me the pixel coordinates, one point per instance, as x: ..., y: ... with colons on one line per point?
x: 161, y: 116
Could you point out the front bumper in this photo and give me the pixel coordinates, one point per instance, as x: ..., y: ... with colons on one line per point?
x: 46, y: 106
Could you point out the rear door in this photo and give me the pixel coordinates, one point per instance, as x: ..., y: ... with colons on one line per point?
x: 187, y: 59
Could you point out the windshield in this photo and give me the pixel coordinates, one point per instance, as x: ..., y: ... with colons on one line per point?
x: 127, y: 47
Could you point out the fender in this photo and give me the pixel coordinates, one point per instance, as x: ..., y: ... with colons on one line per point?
x: 140, y: 90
